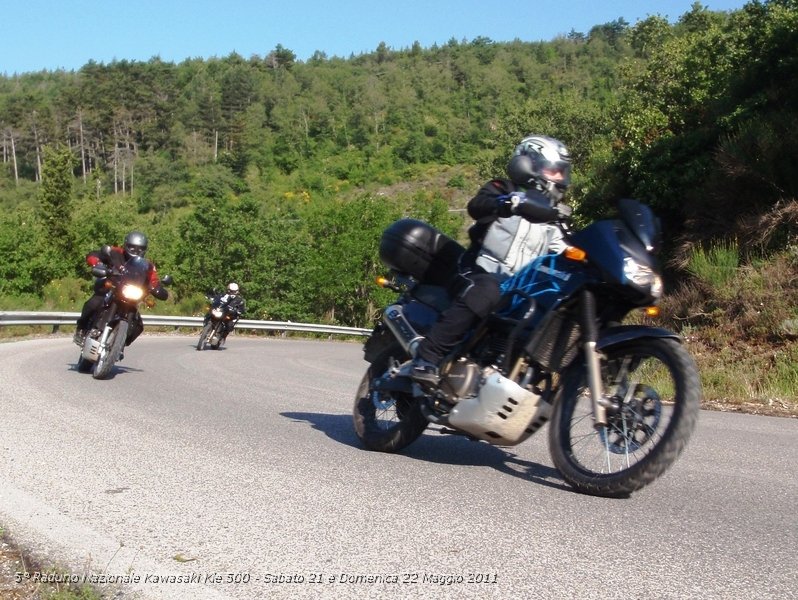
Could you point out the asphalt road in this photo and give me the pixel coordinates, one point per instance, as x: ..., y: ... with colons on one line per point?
x: 237, y: 474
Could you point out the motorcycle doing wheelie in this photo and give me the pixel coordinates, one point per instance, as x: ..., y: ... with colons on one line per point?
x: 219, y: 322
x: 127, y: 289
x: 621, y: 400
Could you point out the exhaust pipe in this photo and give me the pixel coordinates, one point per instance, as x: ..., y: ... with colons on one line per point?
x: 401, y: 328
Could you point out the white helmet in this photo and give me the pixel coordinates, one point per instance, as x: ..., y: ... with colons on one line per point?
x: 548, y: 167
x: 232, y: 289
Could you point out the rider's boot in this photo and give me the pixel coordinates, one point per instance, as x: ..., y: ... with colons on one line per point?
x: 79, y: 337
x: 424, y: 371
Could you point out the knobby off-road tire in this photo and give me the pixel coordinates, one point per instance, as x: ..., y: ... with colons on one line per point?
x: 103, y: 366
x: 204, y: 335
x: 655, y: 417
x: 392, y: 421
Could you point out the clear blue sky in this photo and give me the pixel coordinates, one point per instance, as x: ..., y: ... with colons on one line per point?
x: 48, y: 35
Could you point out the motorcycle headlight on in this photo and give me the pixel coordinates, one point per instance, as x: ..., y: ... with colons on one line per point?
x: 643, y: 277
x: 132, y: 292
x: 217, y: 313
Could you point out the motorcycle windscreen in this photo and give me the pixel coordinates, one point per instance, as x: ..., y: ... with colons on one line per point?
x: 640, y: 219
x: 136, y: 270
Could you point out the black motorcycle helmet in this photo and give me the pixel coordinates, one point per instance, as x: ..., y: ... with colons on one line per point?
x: 543, y: 163
x: 135, y: 244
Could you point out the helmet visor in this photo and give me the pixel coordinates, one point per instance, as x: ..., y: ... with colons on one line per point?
x: 559, y: 173
x: 135, y: 249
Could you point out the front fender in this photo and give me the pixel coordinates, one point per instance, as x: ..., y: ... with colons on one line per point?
x: 380, y: 339
x: 625, y: 333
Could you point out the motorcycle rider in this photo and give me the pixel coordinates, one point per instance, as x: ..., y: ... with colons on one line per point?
x: 135, y: 244
x: 235, y: 302
x: 502, y: 242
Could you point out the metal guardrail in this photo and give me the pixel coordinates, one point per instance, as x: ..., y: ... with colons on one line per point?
x: 56, y: 319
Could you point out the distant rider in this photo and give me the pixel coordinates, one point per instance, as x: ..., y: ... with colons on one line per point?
x: 235, y: 303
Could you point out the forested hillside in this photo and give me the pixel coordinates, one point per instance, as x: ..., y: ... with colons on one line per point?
x: 281, y: 174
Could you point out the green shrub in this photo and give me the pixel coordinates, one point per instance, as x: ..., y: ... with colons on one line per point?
x: 717, y: 265
x: 194, y: 304
x: 458, y: 181
x: 781, y: 380
x: 20, y: 302
x: 67, y: 294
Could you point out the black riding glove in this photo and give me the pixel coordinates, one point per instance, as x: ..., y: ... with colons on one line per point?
x: 160, y: 292
x: 504, y: 208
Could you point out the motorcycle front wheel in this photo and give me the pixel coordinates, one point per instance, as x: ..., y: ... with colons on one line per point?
x: 653, y: 392
x: 386, y: 421
x: 206, y: 331
x: 216, y: 336
x: 114, y: 347
x: 84, y: 366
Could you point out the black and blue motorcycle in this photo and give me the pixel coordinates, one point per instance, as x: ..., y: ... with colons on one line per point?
x: 621, y: 399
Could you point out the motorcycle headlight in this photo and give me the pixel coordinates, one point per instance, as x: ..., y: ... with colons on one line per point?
x: 217, y: 312
x: 132, y: 292
x: 643, y: 277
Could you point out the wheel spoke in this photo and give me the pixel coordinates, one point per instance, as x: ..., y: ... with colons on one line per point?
x: 386, y: 414
x: 385, y: 420
x: 635, y: 420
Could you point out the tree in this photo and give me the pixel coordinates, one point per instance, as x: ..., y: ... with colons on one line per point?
x: 612, y: 32
x: 27, y: 261
x: 649, y: 34
x: 281, y: 58
x: 56, y: 195
x: 343, y: 261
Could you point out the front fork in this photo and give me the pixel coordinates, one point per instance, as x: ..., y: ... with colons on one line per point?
x: 107, y: 329
x: 592, y: 358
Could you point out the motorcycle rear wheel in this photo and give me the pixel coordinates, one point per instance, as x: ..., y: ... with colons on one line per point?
x: 116, y: 344
x: 654, y: 390
x: 386, y: 422
x: 204, y: 335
